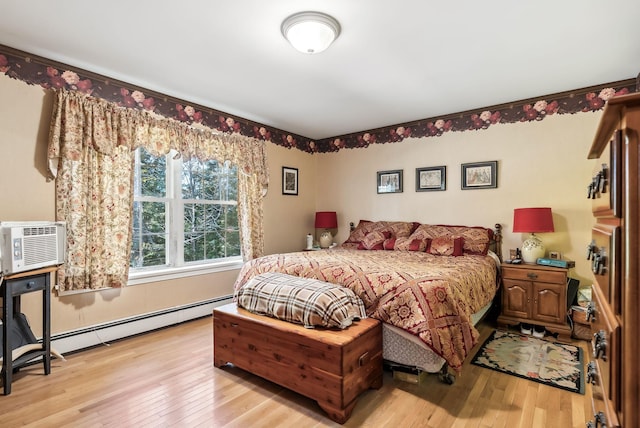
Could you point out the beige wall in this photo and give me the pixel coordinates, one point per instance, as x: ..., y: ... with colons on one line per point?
x: 541, y: 164
x: 25, y: 112
x: 288, y: 218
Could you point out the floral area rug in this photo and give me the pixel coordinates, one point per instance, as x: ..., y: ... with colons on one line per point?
x: 556, y: 364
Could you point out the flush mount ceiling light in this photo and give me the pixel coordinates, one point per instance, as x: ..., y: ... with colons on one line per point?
x: 310, y: 32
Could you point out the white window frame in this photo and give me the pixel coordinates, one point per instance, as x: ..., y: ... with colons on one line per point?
x: 174, y: 212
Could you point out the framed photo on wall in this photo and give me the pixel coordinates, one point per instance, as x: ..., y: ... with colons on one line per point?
x: 479, y: 175
x: 289, y: 180
x: 389, y: 181
x: 431, y: 179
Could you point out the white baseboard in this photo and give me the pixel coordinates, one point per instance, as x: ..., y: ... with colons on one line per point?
x: 104, y: 333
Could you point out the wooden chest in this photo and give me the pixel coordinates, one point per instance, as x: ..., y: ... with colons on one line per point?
x: 330, y: 366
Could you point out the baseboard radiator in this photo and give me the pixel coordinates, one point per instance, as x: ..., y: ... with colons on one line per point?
x: 88, y: 337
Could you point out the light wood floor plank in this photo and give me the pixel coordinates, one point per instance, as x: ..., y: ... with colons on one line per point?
x: 167, y: 379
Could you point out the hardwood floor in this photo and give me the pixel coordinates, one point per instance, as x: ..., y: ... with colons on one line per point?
x: 167, y: 379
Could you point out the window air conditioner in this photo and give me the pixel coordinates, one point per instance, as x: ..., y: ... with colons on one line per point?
x: 29, y: 245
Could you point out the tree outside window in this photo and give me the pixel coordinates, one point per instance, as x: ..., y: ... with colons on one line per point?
x: 185, y: 211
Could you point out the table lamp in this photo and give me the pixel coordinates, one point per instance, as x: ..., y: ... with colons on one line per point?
x: 326, y: 220
x: 532, y: 220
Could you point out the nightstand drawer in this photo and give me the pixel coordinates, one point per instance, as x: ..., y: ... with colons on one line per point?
x: 27, y: 285
x: 559, y: 277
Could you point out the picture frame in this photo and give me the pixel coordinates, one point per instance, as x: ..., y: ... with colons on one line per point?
x: 430, y: 179
x: 389, y: 181
x: 289, y: 180
x: 479, y: 175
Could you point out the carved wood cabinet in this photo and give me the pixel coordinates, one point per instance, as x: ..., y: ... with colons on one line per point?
x: 535, y: 294
x: 614, y: 312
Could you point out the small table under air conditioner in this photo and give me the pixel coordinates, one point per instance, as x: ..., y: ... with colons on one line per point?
x: 12, y: 288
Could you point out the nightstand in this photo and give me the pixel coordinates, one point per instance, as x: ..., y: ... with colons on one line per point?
x: 535, y: 294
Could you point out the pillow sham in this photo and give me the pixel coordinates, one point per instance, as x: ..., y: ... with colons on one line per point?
x: 305, y: 301
x: 476, y: 239
x: 374, y: 240
x: 357, y: 235
x: 411, y: 244
x: 395, y: 228
x: 446, y: 246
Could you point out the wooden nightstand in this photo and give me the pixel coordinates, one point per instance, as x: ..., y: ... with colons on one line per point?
x: 535, y: 294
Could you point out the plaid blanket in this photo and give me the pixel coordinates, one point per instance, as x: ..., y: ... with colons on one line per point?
x: 304, y: 301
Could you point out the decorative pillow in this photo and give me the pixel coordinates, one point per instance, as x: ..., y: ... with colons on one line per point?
x: 305, y: 301
x: 374, y: 240
x: 358, y: 234
x: 446, y: 246
x: 410, y: 244
x: 400, y: 229
x: 476, y: 239
x: 389, y: 244
x: 395, y: 228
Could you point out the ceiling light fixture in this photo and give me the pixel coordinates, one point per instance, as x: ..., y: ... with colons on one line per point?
x: 310, y: 32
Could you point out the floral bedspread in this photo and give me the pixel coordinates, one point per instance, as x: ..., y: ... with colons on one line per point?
x: 429, y: 296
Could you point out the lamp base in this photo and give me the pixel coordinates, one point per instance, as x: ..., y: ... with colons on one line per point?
x: 326, y: 239
x: 532, y: 249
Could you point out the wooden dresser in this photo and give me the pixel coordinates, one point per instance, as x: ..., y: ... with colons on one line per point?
x: 614, y: 252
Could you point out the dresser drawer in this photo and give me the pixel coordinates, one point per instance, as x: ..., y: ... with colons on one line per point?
x: 604, y: 189
x: 604, y: 256
x: 531, y: 273
x: 605, y: 346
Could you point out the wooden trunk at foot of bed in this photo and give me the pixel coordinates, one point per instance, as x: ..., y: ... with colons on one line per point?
x: 332, y: 367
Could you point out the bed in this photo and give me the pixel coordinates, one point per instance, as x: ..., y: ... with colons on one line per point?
x: 428, y: 284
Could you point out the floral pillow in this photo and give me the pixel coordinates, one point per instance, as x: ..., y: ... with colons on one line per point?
x: 446, y: 246
x: 476, y: 239
x: 410, y: 244
x: 357, y: 235
x: 374, y: 240
x: 395, y: 229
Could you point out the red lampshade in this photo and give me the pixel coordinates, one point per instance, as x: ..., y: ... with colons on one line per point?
x: 326, y: 220
x: 531, y: 220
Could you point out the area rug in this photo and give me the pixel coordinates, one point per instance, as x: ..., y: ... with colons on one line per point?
x: 556, y: 364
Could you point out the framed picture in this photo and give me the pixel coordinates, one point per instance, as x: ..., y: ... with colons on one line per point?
x: 289, y: 181
x: 390, y: 181
x: 479, y: 175
x: 431, y: 179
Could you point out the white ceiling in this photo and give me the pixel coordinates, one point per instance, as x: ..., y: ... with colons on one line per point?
x: 395, y: 61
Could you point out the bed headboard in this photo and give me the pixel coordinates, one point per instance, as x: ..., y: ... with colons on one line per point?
x: 495, y: 245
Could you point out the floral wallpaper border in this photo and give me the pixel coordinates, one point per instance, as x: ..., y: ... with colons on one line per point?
x: 36, y: 70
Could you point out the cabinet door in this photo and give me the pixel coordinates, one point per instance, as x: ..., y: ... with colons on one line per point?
x: 516, y: 298
x: 549, y: 302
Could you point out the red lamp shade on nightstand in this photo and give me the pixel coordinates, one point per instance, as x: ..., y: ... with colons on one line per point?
x: 532, y: 220
x: 326, y: 220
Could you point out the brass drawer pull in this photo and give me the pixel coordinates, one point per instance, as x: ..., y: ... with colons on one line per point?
x: 532, y: 275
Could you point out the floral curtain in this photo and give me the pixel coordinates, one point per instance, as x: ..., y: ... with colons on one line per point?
x: 91, y: 155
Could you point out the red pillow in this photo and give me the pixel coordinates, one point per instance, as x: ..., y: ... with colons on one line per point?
x: 389, y: 244
x: 446, y: 246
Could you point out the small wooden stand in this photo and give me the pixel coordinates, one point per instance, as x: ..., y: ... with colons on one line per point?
x: 12, y: 288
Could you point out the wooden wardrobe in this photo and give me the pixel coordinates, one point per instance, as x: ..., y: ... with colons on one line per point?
x: 614, y: 313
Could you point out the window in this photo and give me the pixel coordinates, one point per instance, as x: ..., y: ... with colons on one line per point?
x: 184, y: 212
